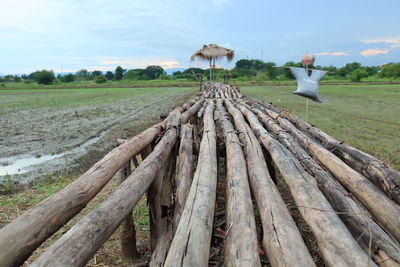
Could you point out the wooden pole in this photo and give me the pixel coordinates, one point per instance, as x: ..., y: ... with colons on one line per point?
x: 353, y: 214
x: 282, y: 241
x: 185, y: 170
x: 82, y: 241
x: 381, y: 207
x: 162, y: 210
x: 241, y: 246
x: 313, y: 206
x: 375, y: 170
x: 191, y: 243
x: 22, y: 236
x: 127, y: 228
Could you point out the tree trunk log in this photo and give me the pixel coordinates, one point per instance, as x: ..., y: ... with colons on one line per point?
x: 375, y: 170
x: 191, y: 243
x: 185, y: 171
x: 162, y: 212
x: 127, y: 228
x: 22, y: 236
x: 380, y: 206
x: 313, y: 206
x: 353, y: 214
x: 82, y: 241
x: 191, y: 111
x: 241, y: 246
x: 282, y: 241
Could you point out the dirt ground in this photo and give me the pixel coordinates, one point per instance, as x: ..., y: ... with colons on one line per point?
x: 73, y: 137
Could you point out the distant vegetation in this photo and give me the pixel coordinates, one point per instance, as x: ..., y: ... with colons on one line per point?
x: 244, y: 70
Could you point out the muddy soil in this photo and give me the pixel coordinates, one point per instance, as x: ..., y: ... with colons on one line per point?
x: 39, y: 142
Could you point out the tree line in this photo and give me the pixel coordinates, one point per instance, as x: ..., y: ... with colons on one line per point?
x: 244, y: 69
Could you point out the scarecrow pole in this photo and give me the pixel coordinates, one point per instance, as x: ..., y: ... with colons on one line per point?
x: 306, y: 109
x: 307, y: 60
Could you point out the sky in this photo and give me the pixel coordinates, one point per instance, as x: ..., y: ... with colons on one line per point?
x: 69, y: 35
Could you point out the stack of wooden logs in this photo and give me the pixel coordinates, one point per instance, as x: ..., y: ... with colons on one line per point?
x: 349, y: 199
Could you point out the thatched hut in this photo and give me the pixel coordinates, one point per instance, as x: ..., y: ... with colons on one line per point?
x: 211, y: 53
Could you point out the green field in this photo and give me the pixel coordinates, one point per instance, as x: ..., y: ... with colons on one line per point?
x: 11, y: 99
x: 364, y: 116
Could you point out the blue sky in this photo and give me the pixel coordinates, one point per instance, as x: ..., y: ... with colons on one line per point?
x: 101, y: 34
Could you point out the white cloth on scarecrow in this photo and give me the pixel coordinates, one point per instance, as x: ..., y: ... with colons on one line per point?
x: 307, y: 86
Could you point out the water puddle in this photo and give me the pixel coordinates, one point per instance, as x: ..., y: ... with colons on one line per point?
x: 24, y: 163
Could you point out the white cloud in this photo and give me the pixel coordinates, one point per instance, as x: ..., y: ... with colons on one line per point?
x: 374, y: 51
x: 389, y: 40
x: 332, y: 54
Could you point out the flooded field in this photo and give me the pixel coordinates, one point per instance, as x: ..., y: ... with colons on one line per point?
x: 45, y: 131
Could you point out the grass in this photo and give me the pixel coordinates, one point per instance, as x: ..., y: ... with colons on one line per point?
x: 363, y: 116
x: 61, y: 98
x: 124, y: 83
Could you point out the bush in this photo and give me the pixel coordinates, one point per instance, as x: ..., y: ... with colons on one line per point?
x: 100, y: 79
x: 390, y: 71
x: 43, y: 77
x: 67, y: 78
x: 358, y: 74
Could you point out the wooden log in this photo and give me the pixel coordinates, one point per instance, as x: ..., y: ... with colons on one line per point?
x: 154, y: 198
x: 127, y: 230
x: 191, y: 243
x: 162, y: 212
x: 241, y: 246
x: 82, y: 241
x: 376, y: 171
x: 352, y: 213
x: 22, y: 236
x: 381, y: 207
x: 191, y: 111
x: 282, y: 241
x: 164, y: 115
x: 313, y: 206
x: 185, y: 171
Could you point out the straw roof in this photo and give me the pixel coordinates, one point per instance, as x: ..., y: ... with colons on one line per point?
x: 213, y: 51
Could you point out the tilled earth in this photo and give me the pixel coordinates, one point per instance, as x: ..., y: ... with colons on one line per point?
x: 75, y: 136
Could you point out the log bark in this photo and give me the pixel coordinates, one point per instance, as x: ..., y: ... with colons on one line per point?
x: 162, y: 212
x: 22, y: 236
x: 80, y: 243
x: 241, y: 246
x: 191, y: 243
x: 191, y: 111
x: 376, y: 171
x: 381, y: 207
x: 313, y: 206
x: 185, y: 171
x: 282, y: 241
x: 353, y: 214
x: 127, y: 232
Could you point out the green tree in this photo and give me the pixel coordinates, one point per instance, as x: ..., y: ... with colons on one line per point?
x: 43, y: 76
x: 96, y: 73
x: 68, y: 78
x: 100, y: 79
x: 154, y: 72
x: 270, y: 70
x: 109, y: 75
x: 358, y: 74
x: 82, y: 74
x: 119, y: 73
x: 391, y: 70
x: 244, y: 64
x: 348, y: 68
